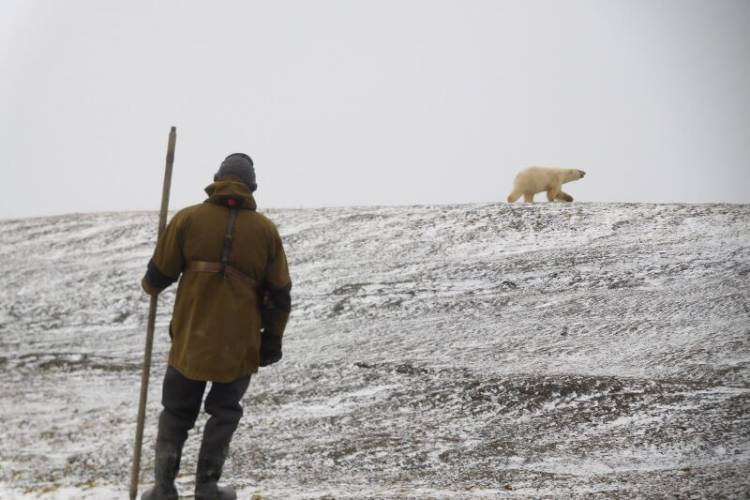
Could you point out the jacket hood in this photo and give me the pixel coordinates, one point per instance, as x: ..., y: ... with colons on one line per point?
x: 230, y: 188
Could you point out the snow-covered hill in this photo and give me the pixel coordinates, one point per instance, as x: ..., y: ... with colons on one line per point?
x: 475, y: 351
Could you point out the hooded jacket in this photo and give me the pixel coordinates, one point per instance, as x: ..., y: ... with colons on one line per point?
x: 216, y: 323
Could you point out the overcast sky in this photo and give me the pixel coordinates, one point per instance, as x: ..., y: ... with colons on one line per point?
x: 353, y: 102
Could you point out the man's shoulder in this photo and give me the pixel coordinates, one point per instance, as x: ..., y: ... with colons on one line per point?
x: 211, y: 212
x: 185, y: 213
x: 266, y: 222
x: 263, y: 218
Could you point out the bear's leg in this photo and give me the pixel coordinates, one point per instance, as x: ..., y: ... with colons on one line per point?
x: 563, y: 196
x: 528, y: 197
x: 552, y: 194
x: 512, y: 197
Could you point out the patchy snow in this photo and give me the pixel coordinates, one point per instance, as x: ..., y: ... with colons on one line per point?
x: 475, y: 351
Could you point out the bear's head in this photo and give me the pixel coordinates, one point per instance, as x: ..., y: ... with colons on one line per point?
x: 570, y: 174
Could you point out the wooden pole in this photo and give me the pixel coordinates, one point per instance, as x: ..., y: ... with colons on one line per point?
x: 135, y: 471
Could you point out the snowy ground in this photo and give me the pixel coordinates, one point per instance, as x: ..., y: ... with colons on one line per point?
x: 434, y: 352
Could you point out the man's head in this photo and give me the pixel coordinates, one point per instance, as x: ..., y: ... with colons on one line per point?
x: 238, y: 165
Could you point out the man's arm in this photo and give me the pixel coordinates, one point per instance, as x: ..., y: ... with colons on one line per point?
x: 167, y: 262
x: 276, y: 304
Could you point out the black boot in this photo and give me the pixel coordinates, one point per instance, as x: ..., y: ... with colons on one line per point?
x: 166, y: 465
x: 223, y: 404
x: 207, y: 478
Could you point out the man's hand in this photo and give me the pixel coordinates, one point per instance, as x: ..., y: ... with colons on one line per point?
x: 270, y: 349
x: 151, y: 290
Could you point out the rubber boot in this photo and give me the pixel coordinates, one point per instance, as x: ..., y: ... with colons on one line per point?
x: 207, y: 478
x: 166, y: 465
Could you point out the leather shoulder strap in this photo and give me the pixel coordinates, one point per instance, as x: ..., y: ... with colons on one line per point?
x: 223, y: 267
x: 227, y: 250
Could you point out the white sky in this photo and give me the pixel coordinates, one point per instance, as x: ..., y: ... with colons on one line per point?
x: 353, y: 102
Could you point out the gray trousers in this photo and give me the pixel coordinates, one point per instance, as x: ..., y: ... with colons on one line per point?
x: 181, y: 398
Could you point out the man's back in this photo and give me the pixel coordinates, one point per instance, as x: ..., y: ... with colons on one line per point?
x: 216, y: 321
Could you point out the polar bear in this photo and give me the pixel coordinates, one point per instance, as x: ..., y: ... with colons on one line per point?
x: 534, y: 180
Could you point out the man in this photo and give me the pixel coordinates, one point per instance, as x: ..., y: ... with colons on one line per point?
x: 231, y: 308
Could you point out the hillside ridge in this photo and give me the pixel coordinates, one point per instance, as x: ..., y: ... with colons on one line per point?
x: 434, y: 351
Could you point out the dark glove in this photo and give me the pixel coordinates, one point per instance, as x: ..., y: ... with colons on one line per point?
x: 270, y: 349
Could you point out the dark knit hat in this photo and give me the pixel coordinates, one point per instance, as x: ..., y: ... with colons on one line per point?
x: 239, y: 165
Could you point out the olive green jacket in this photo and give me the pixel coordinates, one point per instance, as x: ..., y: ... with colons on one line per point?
x: 216, y: 323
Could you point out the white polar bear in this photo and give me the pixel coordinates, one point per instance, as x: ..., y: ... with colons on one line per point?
x: 534, y: 180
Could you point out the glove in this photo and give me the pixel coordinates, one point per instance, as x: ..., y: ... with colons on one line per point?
x: 270, y: 349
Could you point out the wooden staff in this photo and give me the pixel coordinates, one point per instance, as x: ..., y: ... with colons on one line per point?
x: 135, y: 471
